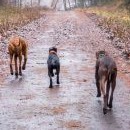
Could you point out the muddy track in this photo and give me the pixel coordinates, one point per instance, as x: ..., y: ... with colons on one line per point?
x: 28, y: 104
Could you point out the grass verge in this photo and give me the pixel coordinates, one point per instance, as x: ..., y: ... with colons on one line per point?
x: 13, y: 17
x: 115, y: 21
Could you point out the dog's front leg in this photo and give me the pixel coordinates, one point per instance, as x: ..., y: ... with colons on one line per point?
x: 97, y: 80
x: 25, y: 61
x: 16, y: 67
x: 11, y: 68
x: 57, y: 76
x: 57, y: 72
x: 50, y: 82
x: 20, y: 62
x: 58, y: 79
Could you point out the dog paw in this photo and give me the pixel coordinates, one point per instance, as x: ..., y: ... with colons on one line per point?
x: 23, y: 67
x: 16, y: 75
x: 98, y: 95
x: 50, y: 86
x: 104, y: 111
x: 58, y: 82
x: 20, y: 73
x: 110, y: 105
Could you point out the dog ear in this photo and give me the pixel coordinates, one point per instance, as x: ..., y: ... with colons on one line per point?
x: 55, y: 49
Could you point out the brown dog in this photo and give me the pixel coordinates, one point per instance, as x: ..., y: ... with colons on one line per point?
x: 17, y: 47
x: 106, y: 72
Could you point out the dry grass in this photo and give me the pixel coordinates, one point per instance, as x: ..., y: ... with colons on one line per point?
x: 117, y: 15
x: 12, y: 17
x: 116, y: 21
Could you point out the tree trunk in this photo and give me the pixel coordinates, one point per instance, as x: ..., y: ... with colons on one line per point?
x: 69, y: 4
x: 31, y: 3
x: 39, y: 2
x: 54, y: 3
x: 75, y: 3
x: 65, y: 4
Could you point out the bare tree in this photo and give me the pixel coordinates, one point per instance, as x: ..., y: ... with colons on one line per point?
x: 3, y: 2
x: 64, y: 1
x: 39, y: 2
x: 69, y: 3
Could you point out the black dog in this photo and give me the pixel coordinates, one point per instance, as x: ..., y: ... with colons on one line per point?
x: 53, y: 64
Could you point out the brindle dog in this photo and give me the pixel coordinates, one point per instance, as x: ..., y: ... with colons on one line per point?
x: 17, y: 47
x: 106, y: 73
x: 53, y: 64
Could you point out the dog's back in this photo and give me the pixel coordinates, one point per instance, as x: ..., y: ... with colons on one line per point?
x: 17, y: 45
x: 107, y: 67
x: 53, y: 59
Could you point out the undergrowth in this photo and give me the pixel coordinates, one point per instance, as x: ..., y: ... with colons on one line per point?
x: 13, y: 17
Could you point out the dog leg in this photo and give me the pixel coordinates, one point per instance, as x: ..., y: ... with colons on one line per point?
x: 16, y: 67
x: 58, y: 79
x: 20, y: 61
x: 49, y: 74
x: 98, y: 87
x: 102, y: 85
x: 105, y: 105
x: 11, y: 68
x: 57, y: 72
x: 24, y: 64
x: 97, y: 80
x: 113, y: 85
x: 111, y: 97
x: 107, y: 90
x: 50, y: 82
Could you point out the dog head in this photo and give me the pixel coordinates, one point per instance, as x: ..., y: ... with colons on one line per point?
x: 53, y: 50
x: 101, y: 53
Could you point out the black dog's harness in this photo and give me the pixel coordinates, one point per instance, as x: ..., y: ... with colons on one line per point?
x: 52, y: 52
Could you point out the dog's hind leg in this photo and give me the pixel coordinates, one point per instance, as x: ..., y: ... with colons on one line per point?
x: 50, y: 82
x: 113, y: 85
x: 102, y: 85
x: 11, y: 68
x: 111, y: 97
x: 97, y: 80
x: 50, y: 76
x: 57, y: 72
x: 51, y: 71
x: 25, y: 61
x: 16, y: 67
x: 58, y: 79
x: 107, y: 90
x: 20, y: 61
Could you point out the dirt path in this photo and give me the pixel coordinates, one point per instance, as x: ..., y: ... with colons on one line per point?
x: 28, y: 104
